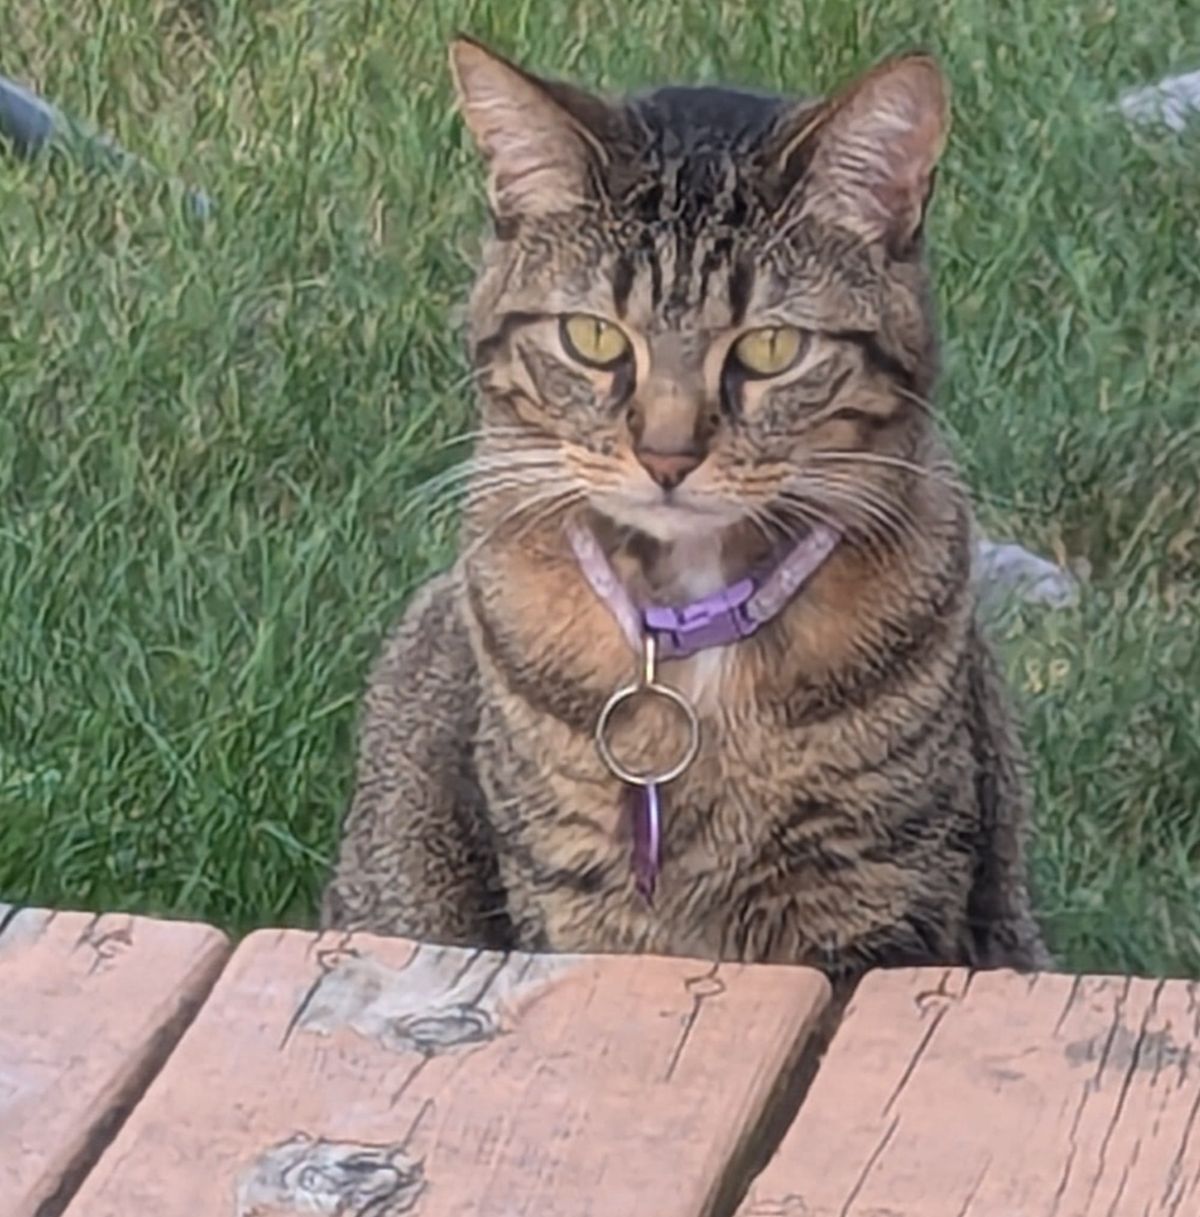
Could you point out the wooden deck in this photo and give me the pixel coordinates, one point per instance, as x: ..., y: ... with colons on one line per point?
x: 148, y: 1068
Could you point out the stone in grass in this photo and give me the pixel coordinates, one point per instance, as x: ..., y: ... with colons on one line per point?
x: 1005, y: 568
x: 1172, y: 101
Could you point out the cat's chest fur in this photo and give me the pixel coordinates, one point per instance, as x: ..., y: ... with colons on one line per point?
x: 695, y: 571
x: 813, y: 818
x: 756, y: 832
x: 763, y: 845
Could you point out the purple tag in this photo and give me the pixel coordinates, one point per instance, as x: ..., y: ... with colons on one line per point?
x: 645, y: 807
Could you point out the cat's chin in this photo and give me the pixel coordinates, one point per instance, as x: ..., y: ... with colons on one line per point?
x: 669, y: 523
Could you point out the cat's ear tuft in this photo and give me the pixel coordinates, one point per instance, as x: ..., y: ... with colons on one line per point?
x: 538, y: 152
x: 876, y: 148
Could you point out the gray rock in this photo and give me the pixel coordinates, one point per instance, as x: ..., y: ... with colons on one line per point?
x: 1172, y: 101
x: 1009, y: 569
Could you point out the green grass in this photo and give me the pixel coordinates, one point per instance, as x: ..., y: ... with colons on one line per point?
x: 208, y: 435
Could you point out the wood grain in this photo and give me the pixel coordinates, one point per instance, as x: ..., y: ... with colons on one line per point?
x: 947, y: 1094
x: 367, y: 1077
x: 89, y: 1007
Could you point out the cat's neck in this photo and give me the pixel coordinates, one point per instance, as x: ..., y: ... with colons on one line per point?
x: 683, y: 570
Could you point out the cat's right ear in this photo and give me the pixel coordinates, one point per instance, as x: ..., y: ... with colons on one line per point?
x: 866, y: 159
x: 532, y: 133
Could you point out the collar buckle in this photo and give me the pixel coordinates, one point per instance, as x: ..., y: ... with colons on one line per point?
x: 715, y: 621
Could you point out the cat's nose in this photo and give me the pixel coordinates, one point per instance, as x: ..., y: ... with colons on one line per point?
x: 668, y: 469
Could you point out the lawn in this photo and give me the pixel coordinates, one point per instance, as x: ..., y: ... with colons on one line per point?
x: 212, y: 436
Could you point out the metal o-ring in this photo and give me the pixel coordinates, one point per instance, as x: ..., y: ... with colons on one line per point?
x: 656, y: 690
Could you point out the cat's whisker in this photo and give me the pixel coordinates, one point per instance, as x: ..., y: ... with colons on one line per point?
x: 808, y: 514
x: 869, y: 522
x: 452, y: 389
x: 848, y: 480
x: 742, y: 505
x: 550, y: 501
x: 867, y: 542
x: 507, y: 432
x: 457, y: 491
x: 451, y: 496
x: 929, y: 409
x: 922, y: 403
x: 461, y: 477
x: 441, y: 508
x: 568, y: 499
x: 852, y: 488
x: 487, y: 535
x: 875, y: 495
x: 890, y: 516
x: 482, y: 464
x: 765, y: 522
x: 478, y: 492
x: 866, y: 509
x: 942, y: 471
x: 482, y: 460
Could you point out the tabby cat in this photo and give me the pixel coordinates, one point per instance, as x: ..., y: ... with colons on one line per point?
x: 704, y: 347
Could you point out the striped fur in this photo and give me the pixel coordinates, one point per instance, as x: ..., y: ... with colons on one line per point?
x: 858, y: 799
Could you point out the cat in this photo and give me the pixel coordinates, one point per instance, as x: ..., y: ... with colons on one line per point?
x: 704, y: 347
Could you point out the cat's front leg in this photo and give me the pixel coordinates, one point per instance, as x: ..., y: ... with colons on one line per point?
x: 1003, y: 930
x: 416, y: 856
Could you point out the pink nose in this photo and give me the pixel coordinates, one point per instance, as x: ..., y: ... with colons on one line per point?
x: 668, y: 469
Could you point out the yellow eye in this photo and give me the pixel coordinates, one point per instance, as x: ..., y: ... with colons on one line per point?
x: 592, y: 340
x: 768, y: 351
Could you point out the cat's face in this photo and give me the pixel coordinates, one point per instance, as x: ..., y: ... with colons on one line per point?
x: 704, y: 306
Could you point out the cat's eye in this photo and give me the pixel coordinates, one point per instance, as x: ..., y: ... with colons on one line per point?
x: 592, y: 340
x: 768, y: 351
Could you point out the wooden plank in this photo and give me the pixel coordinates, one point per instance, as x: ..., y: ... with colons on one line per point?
x: 947, y: 1094
x: 89, y: 1007
x: 358, y: 1075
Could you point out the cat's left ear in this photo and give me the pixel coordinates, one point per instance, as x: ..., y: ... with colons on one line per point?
x: 871, y: 152
x: 536, y: 136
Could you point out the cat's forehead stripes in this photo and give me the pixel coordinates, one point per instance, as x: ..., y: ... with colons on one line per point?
x: 676, y: 283
x: 682, y: 244
x: 686, y: 198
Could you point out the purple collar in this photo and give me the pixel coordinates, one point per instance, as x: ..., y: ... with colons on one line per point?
x: 657, y: 633
x: 725, y: 617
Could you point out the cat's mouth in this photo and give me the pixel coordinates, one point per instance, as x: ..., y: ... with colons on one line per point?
x: 668, y: 515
